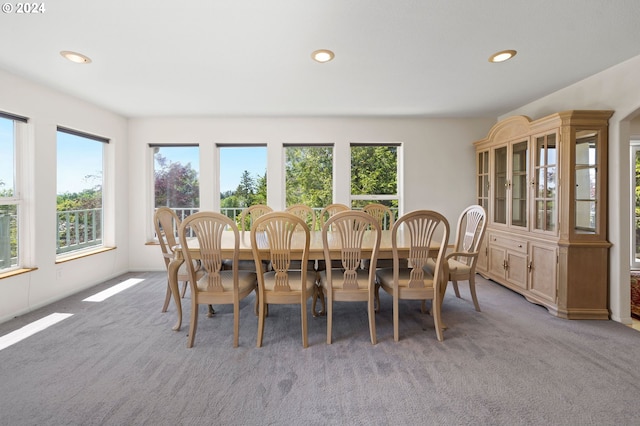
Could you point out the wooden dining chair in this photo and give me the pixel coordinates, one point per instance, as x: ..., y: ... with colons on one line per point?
x: 330, y: 210
x: 383, y: 214
x: 413, y: 282
x: 247, y: 217
x: 461, y: 263
x: 272, y: 237
x: 216, y: 286
x: 349, y: 231
x: 325, y: 214
x: 305, y: 213
x: 166, y: 223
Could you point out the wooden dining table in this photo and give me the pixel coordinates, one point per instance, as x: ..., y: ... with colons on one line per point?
x: 316, y: 252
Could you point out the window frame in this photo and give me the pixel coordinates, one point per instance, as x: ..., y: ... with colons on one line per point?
x: 376, y: 198
x: 64, y: 255
x: 151, y: 231
x: 634, y: 151
x: 17, y: 199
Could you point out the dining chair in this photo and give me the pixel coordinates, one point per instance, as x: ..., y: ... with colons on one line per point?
x: 305, y: 213
x: 385, y: 217
x: 215, y: 286
x: 247, y: 217
x: 273, y: 236
x: 383, y: 214
x: 166, y: 223
x: 330, y: 210
x: 325, y: 214
x: 413, y: 282
x: 349, y: 231
x: 461, y: 263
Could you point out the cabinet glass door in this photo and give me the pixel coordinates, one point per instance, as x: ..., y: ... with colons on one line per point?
x: 500, y: 179
x: 586, y: 181
x: 519, y: 184
x: 483, y: 180
x: 544, y: 183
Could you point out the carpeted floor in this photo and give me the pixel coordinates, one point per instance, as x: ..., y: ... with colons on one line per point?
x: 118, y: 363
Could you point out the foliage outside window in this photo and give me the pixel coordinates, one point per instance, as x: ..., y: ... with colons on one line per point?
x: 245, y: 185
x: 176, y: 178
x: 635, y: 182
x: 9, y: 202
x: 374, y: 175
x: 309, y: 175
x: 79, y: 191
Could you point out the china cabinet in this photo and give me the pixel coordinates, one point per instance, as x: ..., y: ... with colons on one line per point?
x: 544, y: 185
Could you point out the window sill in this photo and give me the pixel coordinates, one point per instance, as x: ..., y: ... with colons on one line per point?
x: 15, y: 272
x: 79, y: 255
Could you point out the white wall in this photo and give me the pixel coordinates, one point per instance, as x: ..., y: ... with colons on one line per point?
x: 618, y: 89
x: 46, y: 110
x: 438, y: 157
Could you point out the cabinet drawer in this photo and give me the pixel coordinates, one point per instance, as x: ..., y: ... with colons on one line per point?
x: 510, y: 243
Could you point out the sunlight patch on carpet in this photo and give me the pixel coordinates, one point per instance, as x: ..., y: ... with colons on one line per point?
x: 105, y: 294
x: 31, y: 329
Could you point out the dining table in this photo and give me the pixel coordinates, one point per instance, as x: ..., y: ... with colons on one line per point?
x: 316, y: 252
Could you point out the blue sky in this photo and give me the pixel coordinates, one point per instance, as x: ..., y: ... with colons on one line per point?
x: 233, y: 162
x: 84, y: 158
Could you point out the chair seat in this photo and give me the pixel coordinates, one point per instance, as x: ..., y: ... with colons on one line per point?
x: 385, y: 277
x: 337, y: 276
x: 295, y: 281
x: 246, y: 281
x: 455, y: 267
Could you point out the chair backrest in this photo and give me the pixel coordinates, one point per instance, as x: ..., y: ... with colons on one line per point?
x: 250, y: 214
x: 272, y: 237
x: 472, y: 224
x: 353, y: 230
x: 382, y: 213
x: 422, y: 228
x: 305, y: 213
x: 208, y: 229
x: 330, y: 210
x: 166, y: 223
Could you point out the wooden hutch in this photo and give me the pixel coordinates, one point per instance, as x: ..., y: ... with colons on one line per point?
x: 544, y: 186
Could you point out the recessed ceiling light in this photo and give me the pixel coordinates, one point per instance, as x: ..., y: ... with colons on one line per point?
x: 322, y: 55
x: 76, y: 57
x: 502, y: 56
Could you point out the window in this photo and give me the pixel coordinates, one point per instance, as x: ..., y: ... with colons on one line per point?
x: 10, y: 196
x: 635, y: 204
x: 176, y: 170
x: 79, y: 190
x: 309, y: 175
x: 243, y: 177
x: 374, y: 175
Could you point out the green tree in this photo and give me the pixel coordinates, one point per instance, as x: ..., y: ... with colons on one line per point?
x: 374, y: 171
x: 309, y: 176
x: 176, y: 184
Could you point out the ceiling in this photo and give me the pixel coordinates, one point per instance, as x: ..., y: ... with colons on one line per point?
x: 253, y: 58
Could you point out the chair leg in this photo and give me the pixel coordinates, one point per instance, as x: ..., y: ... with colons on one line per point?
x: 455, y: 288
x: 377, y: 297
x: 210, y: 312
x: 194, y: 323
x: 167, y: 299
x: 236, y: 322
x: 303, y: 321
x: 372, y: 319
x: 472, y: 289
x: 329, y: 317
x: 318, y: 294
x: 261, y: 315
x: 436, y: 317
x: 396, y: 316
x: 184, y: 289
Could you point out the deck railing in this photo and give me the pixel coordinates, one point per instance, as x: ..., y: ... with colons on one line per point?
x: 78, y: 229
